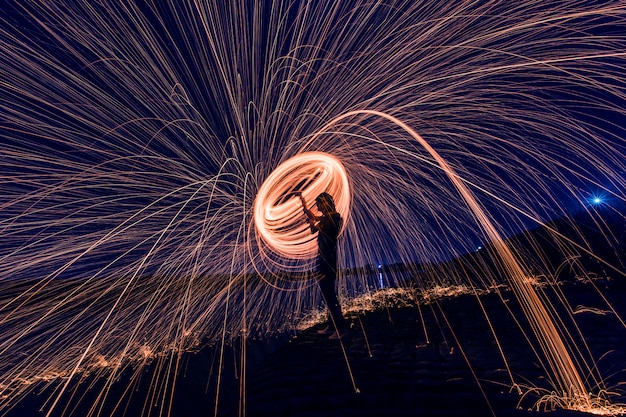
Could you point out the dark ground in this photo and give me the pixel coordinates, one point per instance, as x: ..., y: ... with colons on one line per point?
x: 398, y: 373
x: 436, y: 360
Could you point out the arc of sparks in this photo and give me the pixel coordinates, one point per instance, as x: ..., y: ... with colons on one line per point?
x: 559, y: 361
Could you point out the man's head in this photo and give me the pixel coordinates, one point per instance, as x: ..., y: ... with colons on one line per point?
x: 325, y: 203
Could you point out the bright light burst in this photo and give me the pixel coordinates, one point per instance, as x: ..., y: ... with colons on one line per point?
x: 136, y: 139
x: 278, y: 212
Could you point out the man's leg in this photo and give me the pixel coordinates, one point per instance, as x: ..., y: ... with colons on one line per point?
x: 327, y: 286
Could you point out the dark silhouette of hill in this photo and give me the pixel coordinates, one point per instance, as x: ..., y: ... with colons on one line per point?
x: 590, y: 243
x: 595, y: 239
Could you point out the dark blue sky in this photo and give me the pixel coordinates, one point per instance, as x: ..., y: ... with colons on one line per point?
x: 153, y: 97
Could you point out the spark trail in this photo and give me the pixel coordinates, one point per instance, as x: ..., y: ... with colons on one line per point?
x: 140, y: 141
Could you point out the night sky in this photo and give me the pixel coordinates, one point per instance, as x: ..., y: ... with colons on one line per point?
x: 134, y: 138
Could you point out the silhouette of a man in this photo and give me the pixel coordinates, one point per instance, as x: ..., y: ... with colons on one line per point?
x: 327, y: 226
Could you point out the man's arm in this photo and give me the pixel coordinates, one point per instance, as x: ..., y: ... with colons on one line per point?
x: 311, y: 218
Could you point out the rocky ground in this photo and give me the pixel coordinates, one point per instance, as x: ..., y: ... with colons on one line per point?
x: 434, y: 359
x: 439, y: 359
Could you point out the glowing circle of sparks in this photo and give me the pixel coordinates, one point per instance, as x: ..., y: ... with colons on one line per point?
x: 278, y: 216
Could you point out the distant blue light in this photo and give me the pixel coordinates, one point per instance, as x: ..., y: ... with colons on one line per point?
x: 597, y: 200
